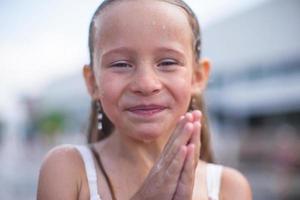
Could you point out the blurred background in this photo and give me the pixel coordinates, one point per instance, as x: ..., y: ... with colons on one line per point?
x: 253, y: 96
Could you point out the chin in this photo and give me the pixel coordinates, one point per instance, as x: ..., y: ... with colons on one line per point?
x: 147, y: 136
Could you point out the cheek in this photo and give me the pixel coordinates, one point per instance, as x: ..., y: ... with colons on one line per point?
x: 184, y: 93
x: 108, y: 100
x: 108, y: 88
x: 110, y: 92
x: 181, y: 88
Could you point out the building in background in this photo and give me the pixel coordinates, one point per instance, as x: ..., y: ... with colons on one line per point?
x: 254, y: 95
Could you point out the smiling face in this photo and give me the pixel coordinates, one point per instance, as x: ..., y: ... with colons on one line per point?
x: 143, y: 67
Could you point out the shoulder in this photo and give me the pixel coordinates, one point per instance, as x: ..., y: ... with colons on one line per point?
x: 60, y: 174
x: 234, y: 185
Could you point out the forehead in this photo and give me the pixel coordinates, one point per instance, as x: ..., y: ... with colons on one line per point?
x: 137, y: 21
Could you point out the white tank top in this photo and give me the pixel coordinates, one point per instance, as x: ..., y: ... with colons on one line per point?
x: 213, y: 175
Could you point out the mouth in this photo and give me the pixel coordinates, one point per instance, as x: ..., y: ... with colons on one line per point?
x: 146, y: 110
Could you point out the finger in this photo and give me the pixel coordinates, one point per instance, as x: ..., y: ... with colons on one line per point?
x: 175, y: 167
x: 161, y: 182
x: 180, y: 125
x: 195, y: 140
x: 185, y: 185
x: 180, y: 118
x: 182, y: 139
x: 188, y: 117
x: 196, y: 132
x: 197, y: 115
x: 181, y: 136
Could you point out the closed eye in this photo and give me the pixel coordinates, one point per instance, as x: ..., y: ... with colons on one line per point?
x: 168, y: 64
x: 120, y: 64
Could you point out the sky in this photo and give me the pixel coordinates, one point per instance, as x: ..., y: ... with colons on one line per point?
x: 41, y: 41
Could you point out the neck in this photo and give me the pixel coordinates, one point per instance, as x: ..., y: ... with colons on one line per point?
x: 136, y: 158
x: 141, y: 155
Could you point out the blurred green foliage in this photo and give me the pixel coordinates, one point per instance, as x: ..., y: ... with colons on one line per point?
x: 51, y: 123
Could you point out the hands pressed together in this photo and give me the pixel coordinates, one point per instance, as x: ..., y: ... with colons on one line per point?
x: 172, y: 176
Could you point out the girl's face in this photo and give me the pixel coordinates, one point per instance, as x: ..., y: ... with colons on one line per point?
x: 144, y: 67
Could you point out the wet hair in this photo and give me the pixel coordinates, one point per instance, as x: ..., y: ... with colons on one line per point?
x: 95, y: 135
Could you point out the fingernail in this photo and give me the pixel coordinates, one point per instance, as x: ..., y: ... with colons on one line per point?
x: 197, y: 114
x: 189, y: 116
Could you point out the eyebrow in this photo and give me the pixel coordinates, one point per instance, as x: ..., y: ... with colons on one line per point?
x: 117, y: 50
x: 176, y: 51
x: 122, y: 49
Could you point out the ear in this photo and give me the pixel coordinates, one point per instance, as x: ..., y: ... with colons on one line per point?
x: 200, y: 76
x: 90, y: 81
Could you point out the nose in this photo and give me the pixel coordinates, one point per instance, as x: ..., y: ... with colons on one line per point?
x: 145, y: 82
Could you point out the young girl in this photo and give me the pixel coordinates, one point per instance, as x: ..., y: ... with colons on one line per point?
x: 146, y: 131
